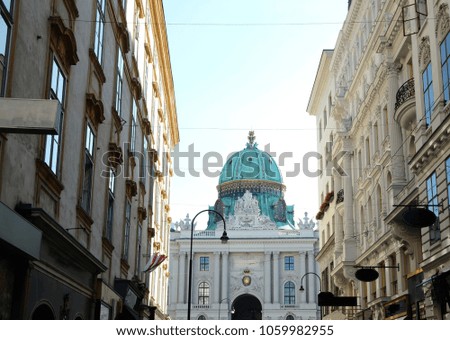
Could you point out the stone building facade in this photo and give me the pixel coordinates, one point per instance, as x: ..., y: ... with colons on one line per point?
x: 258, y: 273
x: 83, y: 211
x: 381, y: 103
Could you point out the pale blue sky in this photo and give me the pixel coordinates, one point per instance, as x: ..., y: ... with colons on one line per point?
x: 242, y: 65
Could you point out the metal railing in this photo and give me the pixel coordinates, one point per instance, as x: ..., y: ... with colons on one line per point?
x: 404, y: 93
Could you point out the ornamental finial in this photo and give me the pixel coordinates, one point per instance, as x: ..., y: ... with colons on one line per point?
x: 251, y: 138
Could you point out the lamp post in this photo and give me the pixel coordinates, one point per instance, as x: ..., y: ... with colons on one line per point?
x: 320, y: 287
x: 223, y: 238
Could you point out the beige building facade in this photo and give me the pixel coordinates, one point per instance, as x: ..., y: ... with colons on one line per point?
x: 380, y: 99
x: 85, y: 210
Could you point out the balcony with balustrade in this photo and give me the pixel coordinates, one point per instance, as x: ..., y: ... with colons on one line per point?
x: 405, y: 105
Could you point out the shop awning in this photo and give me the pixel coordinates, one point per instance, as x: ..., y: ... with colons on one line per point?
x: 155, y: 260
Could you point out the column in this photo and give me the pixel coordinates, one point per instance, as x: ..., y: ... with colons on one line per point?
x: 395, y: 131
x: 302, y: 266
x: 312, y: 279
x: 349, y: 230
x: 362, y: 289
x: 401, y: 273
x: 378, y: 287
x: 369, y: 291
x: 267, y: 276
x: 388, y: 271
x: 182, y: 277
x: 338, y: 232
x: 225, y: 274
x: 216, y: 290
x: 174, y: 285
x: 276, y: 277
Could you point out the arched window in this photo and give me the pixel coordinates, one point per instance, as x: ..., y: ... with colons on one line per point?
x: 43, y: 312
x: 290, y: 317
x: 203, y: 293
x: 201, y: 317
x: 289, y: 293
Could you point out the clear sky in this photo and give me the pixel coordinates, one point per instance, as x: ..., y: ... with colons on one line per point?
x: 241, y: 65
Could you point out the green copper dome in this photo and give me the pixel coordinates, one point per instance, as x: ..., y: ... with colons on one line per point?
x: 251, y: 164
x: 253, y: 175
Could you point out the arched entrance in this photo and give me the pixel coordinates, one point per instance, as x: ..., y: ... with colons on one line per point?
x: 247, y: 307
x: 43, y: 312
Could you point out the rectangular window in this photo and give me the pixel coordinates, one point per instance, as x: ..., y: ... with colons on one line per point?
x: 110, y: 211
x: 136, y: 36
x: 139, y: 250
x: 5, y: 34
x: 88, y: 170
x: 53, y: 142
x: 447, y: 171
x: 289, y: 263
x: 144, y: 161
x: 204, y: 263
x: 432, y: 197
x: 145, y: 85
x: 126, y: 238
x: 445, y: 66
x: 99, y: 30
x: 427, y: 81
x: 119, y: 83
x: 133, y: 127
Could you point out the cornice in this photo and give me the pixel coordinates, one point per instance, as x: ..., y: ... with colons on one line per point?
x: 157, y: 12
x: 437, y: 142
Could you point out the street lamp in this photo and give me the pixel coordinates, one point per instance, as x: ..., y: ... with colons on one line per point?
x: 224, y: 238
x: 320, y: 287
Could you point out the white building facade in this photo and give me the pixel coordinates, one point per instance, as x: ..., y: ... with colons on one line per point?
x: 381, y: 103
x: 258, y: 273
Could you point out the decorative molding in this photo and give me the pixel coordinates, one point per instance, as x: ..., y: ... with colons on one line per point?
x: 107, y: 247
x: 124, y: 37
x: 131, y: 188
x: 63, y: 42
x: 115, y: 155
x: 142, y: 187
x: 137, y: 88
x: 154, y: 155
x: 247, y: 215
x: 151, y: 233
x: 393, y: 68
x: 442, y: 22
x: 146, y: 126
x: 97, y: 66
x: 95, y: 110
x: 148, y: 51
x: 72, y: 9
x: 142, y: 214
x: 156, y: 88
x: 84, y: 218
x: 118, y: 121
x: 124, y: 267
x: 140, y: 5
x: 424, y: 52
x: 49, y: 178
x: 241, y: 186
